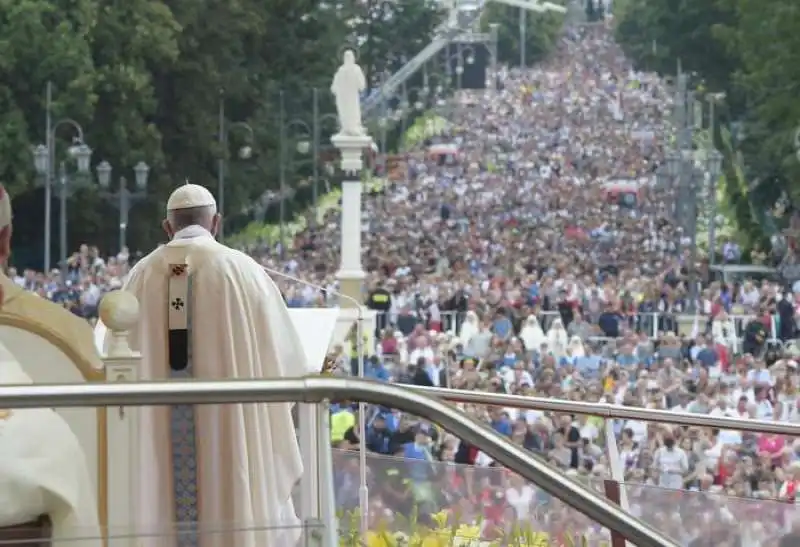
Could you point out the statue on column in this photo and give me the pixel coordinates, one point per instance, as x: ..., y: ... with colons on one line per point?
x: 348, y: 83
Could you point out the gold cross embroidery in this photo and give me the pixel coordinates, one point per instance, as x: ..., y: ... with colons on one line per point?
x: 5, y: 414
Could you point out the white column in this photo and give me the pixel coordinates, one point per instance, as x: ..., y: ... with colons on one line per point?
x: 351, y: 274
x: 119, y: 311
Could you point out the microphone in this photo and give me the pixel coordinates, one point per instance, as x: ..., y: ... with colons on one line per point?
x: 363, y: 490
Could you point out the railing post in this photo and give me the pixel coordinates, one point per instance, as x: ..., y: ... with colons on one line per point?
x: 310, y: 444
x: 613, y: 487
x: 327, y: 499
x: 655, y: 325
x: 119, y: 311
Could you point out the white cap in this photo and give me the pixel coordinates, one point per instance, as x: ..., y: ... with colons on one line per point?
x: 189, y: 196
x: 5, y: 208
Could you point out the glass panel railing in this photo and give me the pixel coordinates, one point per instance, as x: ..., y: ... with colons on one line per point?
x: 490, y: 503
x: 457, y: 503
x: 719, y: 519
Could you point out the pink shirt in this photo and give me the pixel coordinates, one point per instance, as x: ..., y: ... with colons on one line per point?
x: 771, y: 444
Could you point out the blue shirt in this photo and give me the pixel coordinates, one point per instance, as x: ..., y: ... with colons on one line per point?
x: 589, y: 367
x: 378, y: 373
x: 502, y: 327
x: 502, y: 426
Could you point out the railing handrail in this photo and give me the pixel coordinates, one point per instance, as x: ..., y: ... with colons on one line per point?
x: 606, y: 410
x: 318, y: 389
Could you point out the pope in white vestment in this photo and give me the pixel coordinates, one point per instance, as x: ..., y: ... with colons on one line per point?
x: 223, y: 473
x: 43, y: 471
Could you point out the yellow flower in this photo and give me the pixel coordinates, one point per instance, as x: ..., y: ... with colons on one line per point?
x: 468, y: 532
x: 433, y: 540
x: 378, y: 539
x: 440, y: 519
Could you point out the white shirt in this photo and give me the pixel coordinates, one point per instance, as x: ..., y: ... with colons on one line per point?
x: 672, y: 464
x: 426, y: 353
x: 482, y: 460
x: 521, y: 500
x: 764, y: 410
x: 589, y: 431
x: 727, y: 436
x: 639, y: 429
x: 714, y: 453
x: 762, y: 376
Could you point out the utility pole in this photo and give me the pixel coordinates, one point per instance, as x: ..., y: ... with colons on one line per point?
x: 715, y: 162
x: 222, y: 137
x: 523, y: 35
x: 687, y: 180
x: 493, y: 37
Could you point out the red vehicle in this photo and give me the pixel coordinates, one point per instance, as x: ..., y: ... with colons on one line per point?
x: 625, y: 193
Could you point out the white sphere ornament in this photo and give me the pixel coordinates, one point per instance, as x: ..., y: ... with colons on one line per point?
x: 119, y: 311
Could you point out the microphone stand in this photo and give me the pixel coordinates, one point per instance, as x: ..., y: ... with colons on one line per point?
x: 315, y: 443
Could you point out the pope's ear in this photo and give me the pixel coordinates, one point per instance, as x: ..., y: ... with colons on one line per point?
x: 215, y: 224
x: 167, y: 228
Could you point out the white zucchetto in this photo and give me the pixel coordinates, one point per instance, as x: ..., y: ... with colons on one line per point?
x: 189, y: 196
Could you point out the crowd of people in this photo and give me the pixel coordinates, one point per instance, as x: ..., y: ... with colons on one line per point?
x: 507, y: 265
x: 509, y: 268
x: 81, y: 283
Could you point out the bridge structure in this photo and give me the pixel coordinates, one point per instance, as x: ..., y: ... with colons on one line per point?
x: 462, y: 25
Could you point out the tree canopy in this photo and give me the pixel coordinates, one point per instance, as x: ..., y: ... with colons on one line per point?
x: 144, y: 79
x: 541, y: 32
x: 747, y: 49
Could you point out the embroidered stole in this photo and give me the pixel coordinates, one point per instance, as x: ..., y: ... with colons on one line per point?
x: 182, y: 418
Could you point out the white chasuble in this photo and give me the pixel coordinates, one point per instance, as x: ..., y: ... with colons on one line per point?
x: 43, y: 470
x: 214, y: 475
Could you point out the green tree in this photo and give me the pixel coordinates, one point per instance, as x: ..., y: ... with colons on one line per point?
x: 541, y: 33
x: 659, y: 34
x: 766, y: 42
x: 145, y: 79
x: 749, y: 50
x: 41, y: 42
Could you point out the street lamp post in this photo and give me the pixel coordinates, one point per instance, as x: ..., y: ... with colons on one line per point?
x: 407, y: 107
x: 523, y: 36
x: 690, y: 177
x: 435, y: 85
x: 123, y: 198
x: 714, y: 171
x: 493, y: 39
x: 245, y: 152
x: 308, y: 140
x: 461, y: 60
x: 44, y: 159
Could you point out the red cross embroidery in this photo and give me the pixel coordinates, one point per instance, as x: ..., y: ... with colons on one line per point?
x: 178, y: 270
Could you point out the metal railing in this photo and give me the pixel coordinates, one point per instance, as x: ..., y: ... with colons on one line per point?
x: 609, y: 411
x: 652, y: 323
x: 320, y: 389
